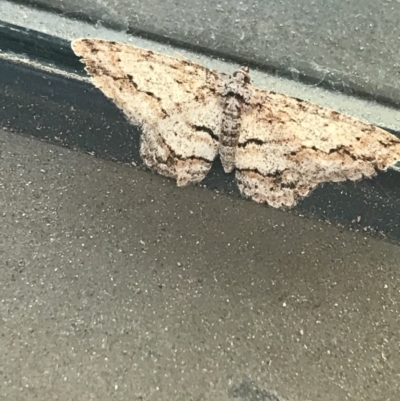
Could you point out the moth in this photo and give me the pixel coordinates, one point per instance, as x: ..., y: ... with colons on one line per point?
x: 280, y: 147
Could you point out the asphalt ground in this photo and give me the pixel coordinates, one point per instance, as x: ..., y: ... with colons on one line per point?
x: 116, y: 285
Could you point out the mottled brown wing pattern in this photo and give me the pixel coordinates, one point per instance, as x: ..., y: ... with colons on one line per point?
x: 288, y: 146
x: 281, y: 147
x: 176, y: 102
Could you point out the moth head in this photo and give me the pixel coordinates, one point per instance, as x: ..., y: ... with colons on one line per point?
x: 243, y: 74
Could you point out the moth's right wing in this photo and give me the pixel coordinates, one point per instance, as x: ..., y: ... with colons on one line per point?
x: 176, y: 103
x: 288, y: 147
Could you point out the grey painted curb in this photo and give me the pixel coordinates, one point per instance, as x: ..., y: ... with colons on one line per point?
x: 346, y: 46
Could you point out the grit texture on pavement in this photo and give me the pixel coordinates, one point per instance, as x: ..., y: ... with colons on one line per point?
x: 117, y: 285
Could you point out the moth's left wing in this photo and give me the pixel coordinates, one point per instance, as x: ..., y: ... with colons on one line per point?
x: 176, y: 103
x: 288, y: 146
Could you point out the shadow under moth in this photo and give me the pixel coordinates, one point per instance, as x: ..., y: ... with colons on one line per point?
x: 280, y: 147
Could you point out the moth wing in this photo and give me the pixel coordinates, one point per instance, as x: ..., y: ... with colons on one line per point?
x: 176, y: 103
x: 287, y: 147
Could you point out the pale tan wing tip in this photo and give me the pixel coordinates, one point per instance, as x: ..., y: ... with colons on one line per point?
x: 76, y: 45
x: 80, y: 46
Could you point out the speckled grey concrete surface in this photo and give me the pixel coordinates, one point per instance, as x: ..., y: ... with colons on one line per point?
x: 345, y: 44
x: 117, y: 285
